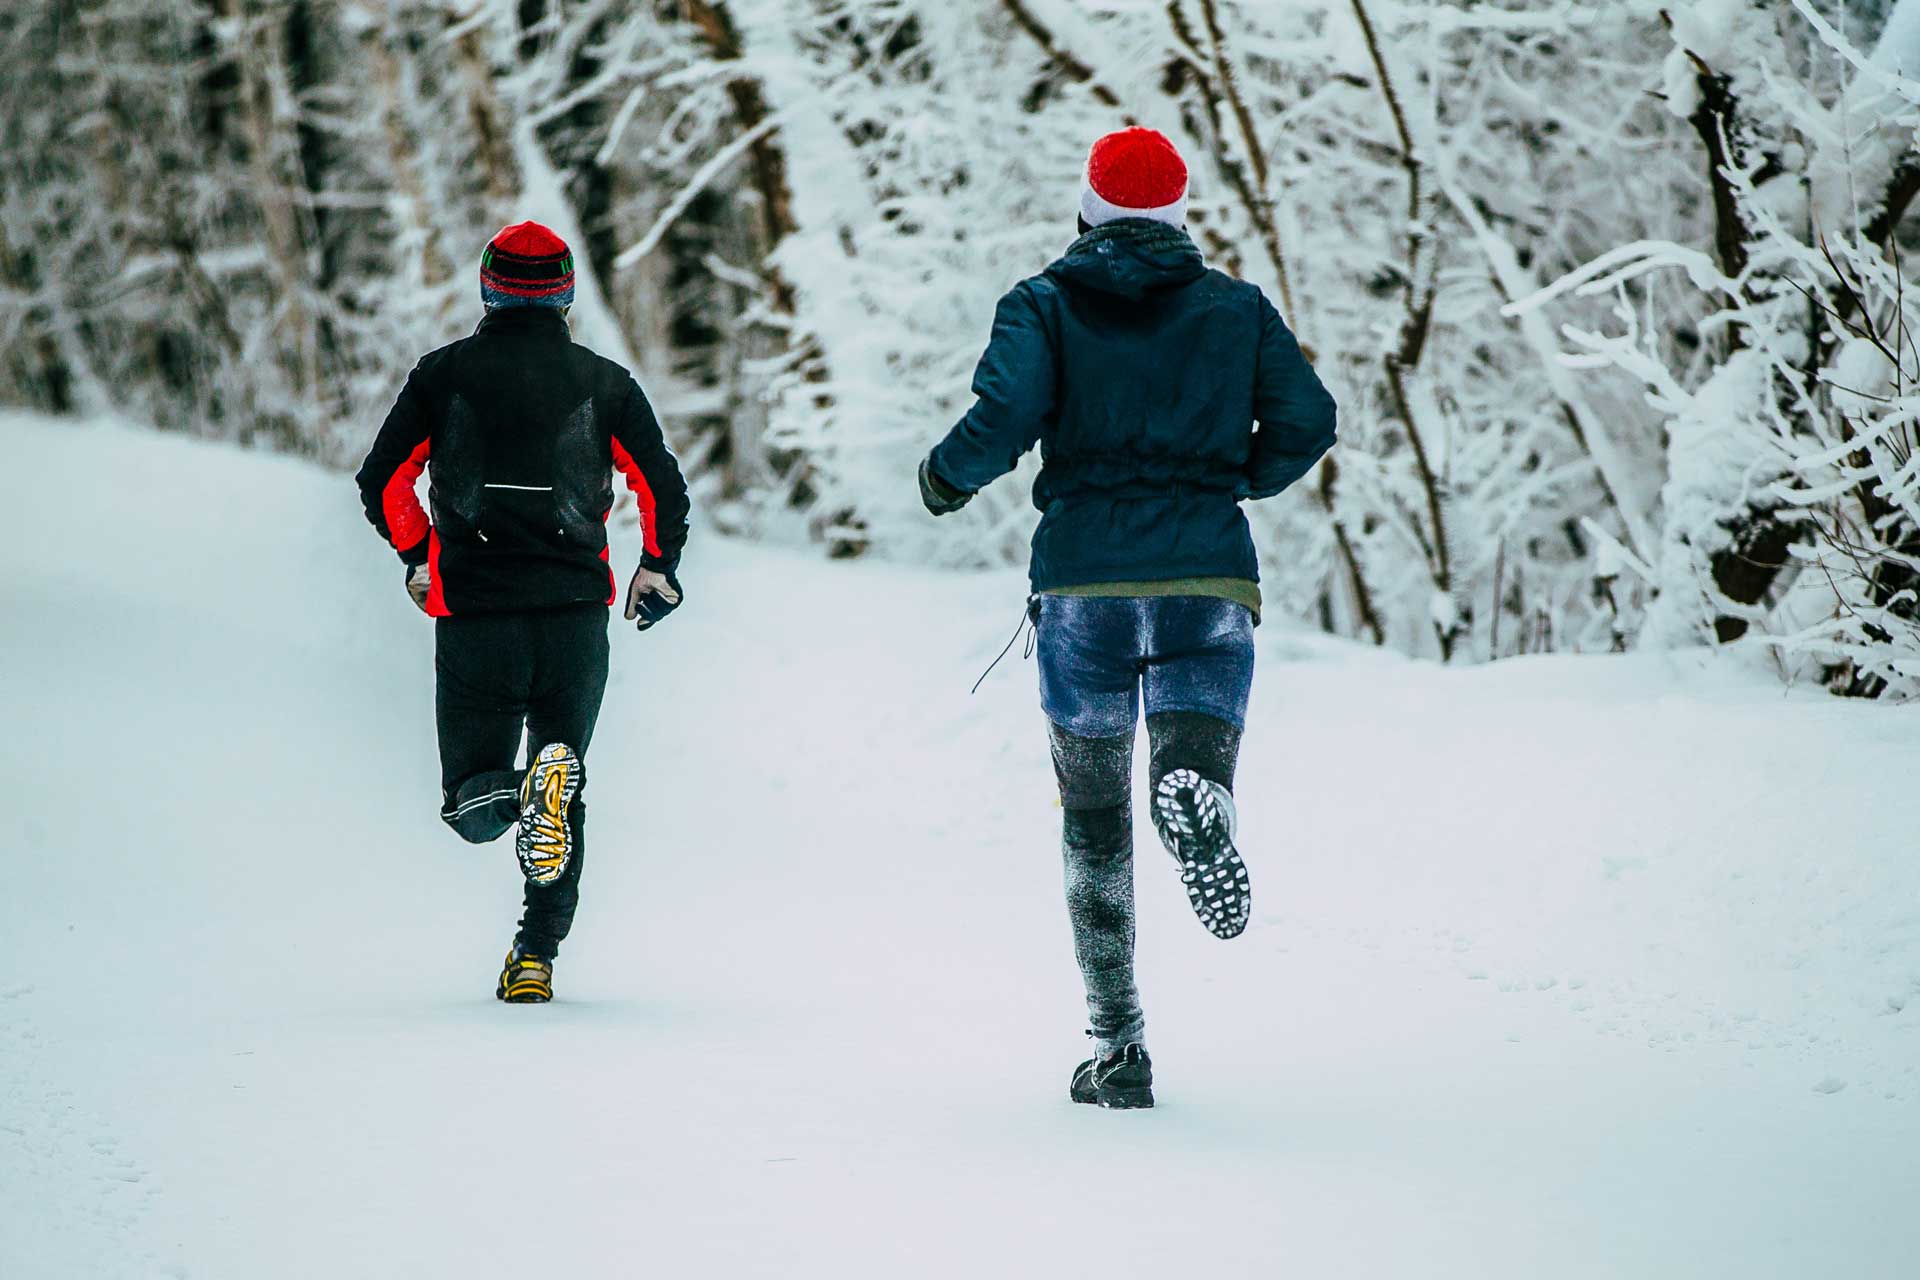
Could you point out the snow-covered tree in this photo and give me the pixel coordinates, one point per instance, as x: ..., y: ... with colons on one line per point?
x: 1593, y: 282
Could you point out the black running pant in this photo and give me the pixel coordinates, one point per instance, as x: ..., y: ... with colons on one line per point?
x: 500, y: 676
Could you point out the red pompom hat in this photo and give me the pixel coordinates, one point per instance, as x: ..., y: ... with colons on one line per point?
x: 1135, y: 173
x: 526, y: 265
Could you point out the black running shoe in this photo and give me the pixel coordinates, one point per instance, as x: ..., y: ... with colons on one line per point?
x: 1195, y: 819
x: 545, y: 842
x: 1122, y: 1081
x: 526, y: 979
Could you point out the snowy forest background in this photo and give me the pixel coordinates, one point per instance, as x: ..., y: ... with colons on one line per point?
x: 1613, y: 295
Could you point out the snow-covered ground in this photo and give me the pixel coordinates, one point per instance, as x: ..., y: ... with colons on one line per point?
x: 1562, y: 968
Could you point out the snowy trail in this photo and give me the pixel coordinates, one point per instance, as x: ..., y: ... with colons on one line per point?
x: 1558, y: 969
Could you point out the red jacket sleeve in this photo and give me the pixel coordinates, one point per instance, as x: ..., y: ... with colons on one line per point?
x: 640, y: 454
x: 386, y: 479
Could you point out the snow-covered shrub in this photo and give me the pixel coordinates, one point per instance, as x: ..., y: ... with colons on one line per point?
x: 1786, y: 505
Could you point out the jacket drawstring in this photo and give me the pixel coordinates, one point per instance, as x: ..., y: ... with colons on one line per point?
x: 1029, y: 626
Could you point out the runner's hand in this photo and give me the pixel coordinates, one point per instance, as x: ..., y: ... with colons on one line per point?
x: 939, y: 497
x: 419, y: 580
x: 651, y: 596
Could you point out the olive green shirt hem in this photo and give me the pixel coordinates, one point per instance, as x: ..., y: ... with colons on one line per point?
x: 1239, y: 590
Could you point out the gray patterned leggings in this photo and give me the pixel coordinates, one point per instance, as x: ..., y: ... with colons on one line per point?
x: 1096, y: 776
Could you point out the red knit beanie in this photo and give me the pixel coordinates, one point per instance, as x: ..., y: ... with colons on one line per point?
x: 526, y: 265
x: 1135, y: 173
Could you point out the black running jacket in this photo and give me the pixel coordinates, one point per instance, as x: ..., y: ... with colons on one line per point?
x: 520, y: 430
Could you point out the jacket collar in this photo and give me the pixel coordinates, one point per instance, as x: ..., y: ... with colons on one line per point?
x: 545, y: 321
x: 1144, y: 233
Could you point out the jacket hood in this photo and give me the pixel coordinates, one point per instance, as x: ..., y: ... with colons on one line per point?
x: 1130, y: 258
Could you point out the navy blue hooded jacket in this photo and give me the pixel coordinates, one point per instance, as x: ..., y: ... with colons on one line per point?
x: 1140, y: 372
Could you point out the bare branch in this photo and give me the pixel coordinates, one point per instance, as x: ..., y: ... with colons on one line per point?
x: 1069, y: 65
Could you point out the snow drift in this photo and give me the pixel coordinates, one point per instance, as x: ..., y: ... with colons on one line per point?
x: 1559, y: 968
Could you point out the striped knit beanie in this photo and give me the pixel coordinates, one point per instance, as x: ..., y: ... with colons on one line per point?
x: 1135, y: 173
x: 526, y: 265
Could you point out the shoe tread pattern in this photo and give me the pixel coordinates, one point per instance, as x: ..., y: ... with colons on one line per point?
x: 1196, y: 830
x: 545, y: 842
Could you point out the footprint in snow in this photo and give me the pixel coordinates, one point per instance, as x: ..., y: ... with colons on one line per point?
x: 1831, y: 1084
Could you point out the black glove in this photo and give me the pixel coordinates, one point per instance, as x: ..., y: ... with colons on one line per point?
x: 651, y: 596
x: 940, y: 497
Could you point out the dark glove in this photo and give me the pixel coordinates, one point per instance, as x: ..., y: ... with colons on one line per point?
x: 940, y: 497
x: 419, y: 582
x: 651, y: 596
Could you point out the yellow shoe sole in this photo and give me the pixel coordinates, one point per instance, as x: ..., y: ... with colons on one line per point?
x: 545, y: 842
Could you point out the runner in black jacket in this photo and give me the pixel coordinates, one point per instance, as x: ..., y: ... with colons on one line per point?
x: 522, y: 430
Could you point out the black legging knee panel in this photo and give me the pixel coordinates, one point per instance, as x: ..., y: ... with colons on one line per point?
x: 1192, y: 740
x: 1094, y: 773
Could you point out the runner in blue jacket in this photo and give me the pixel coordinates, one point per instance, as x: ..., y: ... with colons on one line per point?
x: 1141, y: 373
